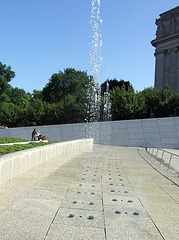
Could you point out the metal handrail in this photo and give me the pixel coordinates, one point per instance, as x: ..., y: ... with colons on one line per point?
x: 150, y: 149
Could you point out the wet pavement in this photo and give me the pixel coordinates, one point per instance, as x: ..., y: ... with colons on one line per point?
x: 106, y: 194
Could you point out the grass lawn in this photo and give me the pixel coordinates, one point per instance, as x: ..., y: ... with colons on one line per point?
x: 11, y: 140
x: 5, y: 149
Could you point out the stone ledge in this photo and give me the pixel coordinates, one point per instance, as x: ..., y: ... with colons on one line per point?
x: 14, y: 164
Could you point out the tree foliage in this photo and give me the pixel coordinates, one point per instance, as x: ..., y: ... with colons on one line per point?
x: 69, y: 97
x: 19, y: 96
x: 37, y: 94
x: 126, y: 104
x: 6, y: 75
x: 69, y: 82
x: 11, y: 114
x: 113, y: 83
x: 70, y: 89
x: 144, y: 104
x: 163, y: 102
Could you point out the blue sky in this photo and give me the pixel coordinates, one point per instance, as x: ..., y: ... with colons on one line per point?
x: 42, y: 37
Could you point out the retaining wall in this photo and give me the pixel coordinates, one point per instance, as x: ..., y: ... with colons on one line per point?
x: 14, y: 164
x: 160, y: 132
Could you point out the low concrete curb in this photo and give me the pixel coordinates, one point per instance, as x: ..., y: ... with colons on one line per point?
x: 23, y: 142
x: 12, y: 165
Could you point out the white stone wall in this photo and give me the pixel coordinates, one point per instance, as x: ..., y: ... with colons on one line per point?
x: 160, y: 132
x: 13, y: 165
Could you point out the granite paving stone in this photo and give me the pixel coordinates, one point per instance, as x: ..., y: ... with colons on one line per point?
x: 32, y: 205
x: 124, y: 213
x: 86, y: 203
x: 133, y: 231
x: 79, y: 217
x: 25, y: 222
x: 62, y: 232
x: 110, y: 193
x: 79, y: 193
x: 115, y: 191
x: 163, y: 198
x: 20, y: 235
x: 174, y: 196
x: 118, y: 200
x: 44, y: 194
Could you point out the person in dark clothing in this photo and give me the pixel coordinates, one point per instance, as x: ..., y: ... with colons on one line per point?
x: 34, y: 135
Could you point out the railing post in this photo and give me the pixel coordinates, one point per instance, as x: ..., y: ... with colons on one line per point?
x: 156, y: 152
x: 150, y: 150
x: 162, y: 157
x: 169, y: 162
x: 153, y: 153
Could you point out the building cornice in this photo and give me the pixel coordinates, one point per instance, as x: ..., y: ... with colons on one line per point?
x: 171, y: 37
x: 169, y: 14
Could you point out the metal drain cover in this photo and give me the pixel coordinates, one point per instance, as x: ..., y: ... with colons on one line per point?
x: 114, y: 200
x: 90, y: 217
x: 117, y: 212
x: 135, y: 213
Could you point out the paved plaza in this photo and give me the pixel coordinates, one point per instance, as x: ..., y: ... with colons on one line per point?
x: 110, y: 193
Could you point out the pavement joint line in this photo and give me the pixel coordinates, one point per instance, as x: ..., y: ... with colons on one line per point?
x: 166, y: 191
x: 51, y: 223
x: 152, y: 221
x: 157, y: 229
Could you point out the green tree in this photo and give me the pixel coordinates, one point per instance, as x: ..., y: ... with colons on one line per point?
x: 19, y: 96
x: 37, y: 94
x: 11, y: 114
x: 115, y: 83
x: 73, y: 86
x: 54, y: 113
x: 162, y: 103
x: 35, y: 113
x: 6, y: 75
x: 126, y: 104
x: 64, y: 83
x: 73, y: 111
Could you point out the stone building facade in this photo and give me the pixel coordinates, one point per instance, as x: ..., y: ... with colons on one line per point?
x: 167, y: 50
